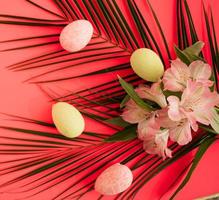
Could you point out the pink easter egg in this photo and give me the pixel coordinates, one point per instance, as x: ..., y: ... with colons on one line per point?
x: 76, y: 35
x: 115, y: 179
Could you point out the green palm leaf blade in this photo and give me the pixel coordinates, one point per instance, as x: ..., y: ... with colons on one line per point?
x: 192, y: 30
x: 113, y: 18
x: 212, y: 45
x: 63, y: 160
x: 45, y: 9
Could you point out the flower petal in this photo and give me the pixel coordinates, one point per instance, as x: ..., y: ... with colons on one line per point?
x: 157, y: 144
x: 147, y: 127
x: 175, y: 78
x: 200, y: 100
x: 181, y: 133
x: 201, y: 72
x: 215, y: 121
x: 133, y: 113
x: 174, y: 108
x: 163, y: 118
x: 153, y: 93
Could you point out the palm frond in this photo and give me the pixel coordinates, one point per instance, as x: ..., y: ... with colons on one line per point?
x: 111, y: 28
x: 45, y: 9
x: 212, y: 45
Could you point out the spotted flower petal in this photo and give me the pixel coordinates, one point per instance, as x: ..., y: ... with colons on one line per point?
x: 176, y: 76
x: 174, y: 108
x: 180, y: 132
x: 133, y: 113
x: 215, y: 121
x: 201, y: 72
x: 148, y: 126
x: 200, y: 100
x: 157, y: 144
x: 153, y: 93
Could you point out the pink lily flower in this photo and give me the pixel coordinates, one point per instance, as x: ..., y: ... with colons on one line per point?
x: 133, y: 113
x: 179, y: 131
x: 155, y: 140
x: 153, y: 93
x: 196, y: 105
x: 157, y: 143
x: 175, y: 78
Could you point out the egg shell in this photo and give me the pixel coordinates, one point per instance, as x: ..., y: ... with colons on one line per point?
x: 147, y: 64
x: 115, y: 179
x: 67, y: 119
x: 76, y: 35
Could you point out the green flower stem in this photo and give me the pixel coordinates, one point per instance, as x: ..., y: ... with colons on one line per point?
x: 208, y: 129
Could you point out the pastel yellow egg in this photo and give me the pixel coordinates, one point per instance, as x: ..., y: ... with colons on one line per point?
x: 67, y: 119
x: 114, y: 180
x: 76, y: 35
x: 147, y: 64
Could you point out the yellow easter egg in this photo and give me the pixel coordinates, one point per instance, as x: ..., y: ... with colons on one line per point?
x: 67, y: 119
x: 147, y: 64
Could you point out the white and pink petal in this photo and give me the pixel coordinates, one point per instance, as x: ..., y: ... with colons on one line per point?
x: 174, y: 112
x: 133, y: 113
x: 153, y: 93
x: 157, y: 144
x: 201, y: 72
x: 215, y: 121
x: 181, y: 132
x: 147, y: 127
x: 176, y: 76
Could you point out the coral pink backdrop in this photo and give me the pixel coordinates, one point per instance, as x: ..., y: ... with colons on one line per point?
x: 28, y: 100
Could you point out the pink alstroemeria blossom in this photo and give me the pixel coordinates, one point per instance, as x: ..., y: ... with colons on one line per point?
x: 196, y: 105
x: 148, y: 126
x: 133, y: 113
x: 179, y: 131
x: 155, y: 140
x: 153, y: 93
x: 156, y: 143
x: 175, y: 78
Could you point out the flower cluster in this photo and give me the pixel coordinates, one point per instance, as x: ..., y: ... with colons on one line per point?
x: 183, y: 100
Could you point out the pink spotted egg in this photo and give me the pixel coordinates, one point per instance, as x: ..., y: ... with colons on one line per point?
x: 115, y: 179
x: 76, y: 35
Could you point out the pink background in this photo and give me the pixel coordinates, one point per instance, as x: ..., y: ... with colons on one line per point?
x: 28, y: 100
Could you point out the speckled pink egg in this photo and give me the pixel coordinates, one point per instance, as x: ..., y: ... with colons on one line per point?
x: 76, y: 35
x: 115, y: 179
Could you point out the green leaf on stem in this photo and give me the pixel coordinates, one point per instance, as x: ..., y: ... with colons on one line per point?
x: 182, y: 56
x: 124, y: 101
x: 129, y: 133
x: 133, y: 95
x: 191, y: 53
x: 118, y: 121
x: 195, y: 49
